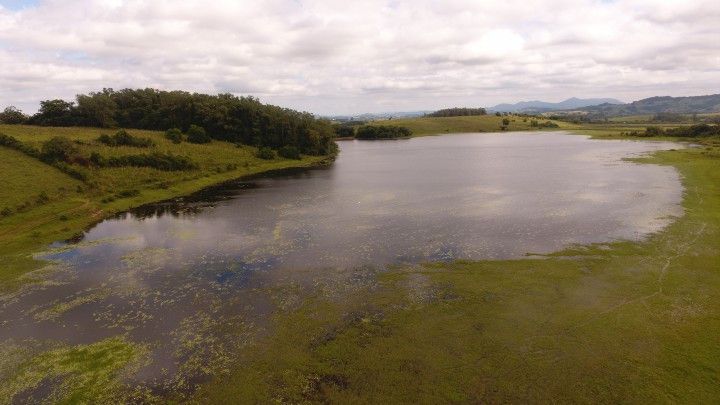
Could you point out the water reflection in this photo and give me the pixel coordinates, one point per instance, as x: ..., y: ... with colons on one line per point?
x: 237, y: 253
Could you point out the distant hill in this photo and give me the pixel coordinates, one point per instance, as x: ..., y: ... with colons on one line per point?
x: 377, y: 116
x: 543, y: 106
x: 654, y: 105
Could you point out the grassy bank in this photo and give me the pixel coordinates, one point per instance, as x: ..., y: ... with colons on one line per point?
x: 476, y: 123
x: 621, y: 322
x: 43, y: 204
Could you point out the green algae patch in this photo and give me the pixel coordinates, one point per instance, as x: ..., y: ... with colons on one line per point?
x: 76, y: 374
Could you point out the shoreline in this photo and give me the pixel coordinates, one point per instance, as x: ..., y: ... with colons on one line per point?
x: 29, y: 232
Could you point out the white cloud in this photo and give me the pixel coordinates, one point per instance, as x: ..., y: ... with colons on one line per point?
x: 343, y: 57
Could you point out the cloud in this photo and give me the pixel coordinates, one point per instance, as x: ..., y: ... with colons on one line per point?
x: 347, y: 57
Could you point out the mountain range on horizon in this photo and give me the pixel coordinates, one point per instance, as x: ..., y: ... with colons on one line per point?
x: 543, y: 106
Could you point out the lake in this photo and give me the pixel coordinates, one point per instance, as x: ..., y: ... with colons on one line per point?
x: 238, y: 253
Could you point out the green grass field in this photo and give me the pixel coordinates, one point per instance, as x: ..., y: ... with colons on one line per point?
x: 48, y: 205
x: 476, y: 123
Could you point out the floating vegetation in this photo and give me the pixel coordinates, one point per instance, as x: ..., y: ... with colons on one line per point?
x: 57, y: 308
x: 69, y: 374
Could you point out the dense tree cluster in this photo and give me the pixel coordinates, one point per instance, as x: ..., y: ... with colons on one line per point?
x: 382, y: 132
x: 457, y: 112
x: 223, y: 117
x: 344, y: 130
x: 12, y: 115
x: 692, y: 131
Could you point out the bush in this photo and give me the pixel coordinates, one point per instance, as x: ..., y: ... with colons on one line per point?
x: 71, y: 171
x: 156, y: 160
x: 10, y: 142
x: 266, y: 153
x: 57, y: 149
x: 196, y: 134
x: 289, y: 152
x: 549, y: 124
x: 382, y: 132
x: 97, y: 159
x: 174, y: 135
x: 506, y: 122
x: 122, y: 138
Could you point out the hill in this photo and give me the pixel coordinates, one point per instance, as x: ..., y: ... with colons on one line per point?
x: 543, y: 106
x: 655, y: 105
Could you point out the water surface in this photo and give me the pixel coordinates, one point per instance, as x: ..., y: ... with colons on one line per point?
x: 241, y: 252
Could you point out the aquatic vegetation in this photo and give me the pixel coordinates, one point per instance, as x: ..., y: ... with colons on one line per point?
x: 68, y: 374
x: 56, y: 309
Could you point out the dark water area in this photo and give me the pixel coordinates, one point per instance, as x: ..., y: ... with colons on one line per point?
x: 176, y: 271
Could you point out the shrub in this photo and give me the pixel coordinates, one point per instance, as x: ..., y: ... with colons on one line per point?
x: 11, y: 142
x: 156, y: 160
x: 57, y: 149
x: 196, y: 134
x: 265, y: 153
x: 699, y: 130
x: 122, y: 138
x: 549, y: 124
x: 506, y: 122
x: 289, y: 152
x: 653, y: 131
x: 97, y: 159
x: 174, y: 135
x: 71, y: 171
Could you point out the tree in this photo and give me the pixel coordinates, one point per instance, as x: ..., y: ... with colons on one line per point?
x: 197, y: 134
x: 96, y: 109
x: 54, y: 113
x: 12, y: 115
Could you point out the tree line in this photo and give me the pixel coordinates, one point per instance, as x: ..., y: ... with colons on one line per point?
x: 692, y: 131
x: 382, y: 132
x: 457, y: 112
x: 223, y: 117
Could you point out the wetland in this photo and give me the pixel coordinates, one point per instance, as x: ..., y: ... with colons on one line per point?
x: 185, y: 285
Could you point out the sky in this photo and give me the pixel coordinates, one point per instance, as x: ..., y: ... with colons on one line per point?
x: 349, y: 57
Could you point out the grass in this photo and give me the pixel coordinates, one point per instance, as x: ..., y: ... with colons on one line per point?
x: 476, y: 123
x: 26, y: 179
x: 47, y: 205
x: 627, y: 322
